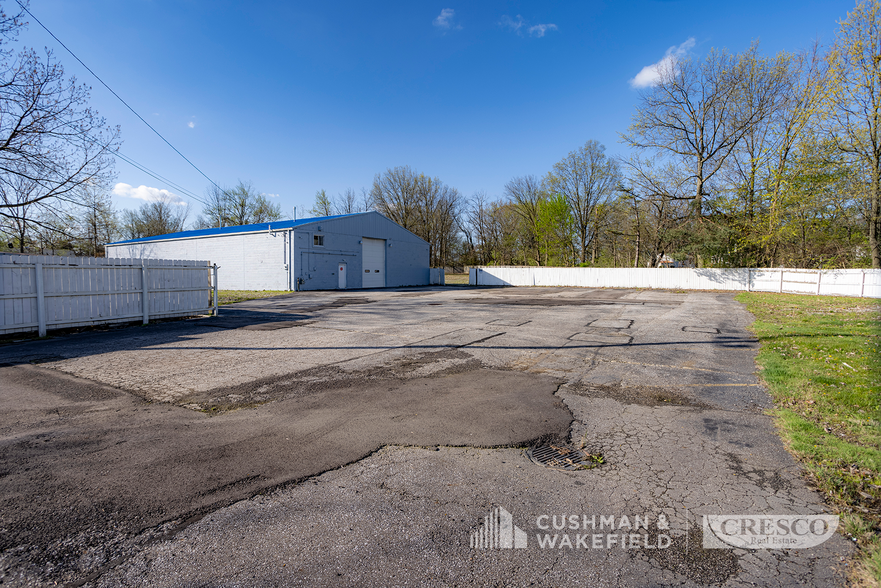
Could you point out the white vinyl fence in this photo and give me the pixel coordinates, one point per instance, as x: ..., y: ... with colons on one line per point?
x: 40, y: 292
x: 436, y: 276
x: 854, y: 282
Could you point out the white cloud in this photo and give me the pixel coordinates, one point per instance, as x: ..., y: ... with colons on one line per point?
x: 445, y: 20
x: 511, y: 23
x: 147, y: 193
x: 518, y: 25
x: 272, y: 195
x: 191, y: 124
x: 539, y: 30
x: 650, y: 75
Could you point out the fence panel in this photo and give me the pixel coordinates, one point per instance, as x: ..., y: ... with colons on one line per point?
x: 852, y: 282
x: 87, y: 291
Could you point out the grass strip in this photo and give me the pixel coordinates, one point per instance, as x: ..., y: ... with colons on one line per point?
x: 820, y: 358
x: 231, y: 296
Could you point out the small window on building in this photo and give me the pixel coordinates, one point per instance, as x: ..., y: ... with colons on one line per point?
x: 318, y: 240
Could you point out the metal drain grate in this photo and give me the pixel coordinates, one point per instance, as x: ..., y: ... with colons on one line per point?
x: 564, y: 457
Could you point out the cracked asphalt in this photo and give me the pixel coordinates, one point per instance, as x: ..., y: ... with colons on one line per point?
x: 360, y: 438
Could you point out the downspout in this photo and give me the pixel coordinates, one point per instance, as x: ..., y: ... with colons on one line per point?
x: 292, y: 285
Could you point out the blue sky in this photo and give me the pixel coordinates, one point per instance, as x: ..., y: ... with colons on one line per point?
x: 302, y: 96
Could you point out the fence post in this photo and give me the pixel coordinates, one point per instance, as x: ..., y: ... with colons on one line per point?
x: 781, y: 281
x: 145, y: 301
x: 819, y: 275
x: 41, y: 301
x: 214, y: 286
x: 749, y: 280
x: 863, y: 285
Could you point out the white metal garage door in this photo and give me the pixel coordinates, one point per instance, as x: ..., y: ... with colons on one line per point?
x: 373, y: 262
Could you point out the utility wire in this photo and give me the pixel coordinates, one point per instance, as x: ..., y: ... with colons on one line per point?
x: 145, y: 169
x: 23, y: 7
x: 155, y: 175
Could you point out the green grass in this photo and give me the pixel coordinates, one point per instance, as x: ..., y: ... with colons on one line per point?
x: 231, y: 296
x: 456, y: 279
x: 821, y: 360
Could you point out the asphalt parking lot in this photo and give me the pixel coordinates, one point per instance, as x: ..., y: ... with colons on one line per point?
x: 361, y: 438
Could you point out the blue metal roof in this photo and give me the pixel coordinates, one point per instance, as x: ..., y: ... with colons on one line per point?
x: 275, y: 226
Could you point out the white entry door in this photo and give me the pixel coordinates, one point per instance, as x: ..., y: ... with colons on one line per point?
x: 373, y: 263
x: 342, y: 276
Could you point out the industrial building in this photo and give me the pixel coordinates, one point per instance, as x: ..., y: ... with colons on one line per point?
x: 361, y: 250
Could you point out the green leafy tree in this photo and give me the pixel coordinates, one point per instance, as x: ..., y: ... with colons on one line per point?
x: 555, y: 231
x: 855, y: 104
x: 323, y: 205
x: 586, y: 178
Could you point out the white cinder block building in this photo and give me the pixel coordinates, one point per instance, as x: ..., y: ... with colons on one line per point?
x: 362, y: 250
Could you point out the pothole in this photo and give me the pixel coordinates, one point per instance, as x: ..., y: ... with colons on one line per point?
x: 559, y: 456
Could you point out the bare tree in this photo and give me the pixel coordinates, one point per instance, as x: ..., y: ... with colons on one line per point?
x: 241, y: 205
x: 699, y: 111
x: 216, y: 212
x: 11, y: 24
x: 20, y: 221
x: 159, y: 217
x: 48, y: 134
x: 585, y: 178
x: 421, y: 204
x: 526, y: 195
x: 97, y: 223
x: 52, y: 145
x: 658, y: 196
x: 394, y: 194
x: 348, y: 203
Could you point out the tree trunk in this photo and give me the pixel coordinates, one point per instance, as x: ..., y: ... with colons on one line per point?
x: 638, y: 243
x: 875, y: 216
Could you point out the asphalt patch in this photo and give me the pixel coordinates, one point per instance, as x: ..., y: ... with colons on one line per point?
x: 335, y: 303
x: 641, y: 395
x: 321, y: 379
x: 255, y: 322
x: 543, y: 301
x: 83, y: 481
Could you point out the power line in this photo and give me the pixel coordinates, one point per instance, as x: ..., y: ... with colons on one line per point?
x: 155, y: 175
x: 158, y: 134
x: 145, y: 169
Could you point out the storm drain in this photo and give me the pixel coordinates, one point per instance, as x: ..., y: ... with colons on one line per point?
x: 564, y: 457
